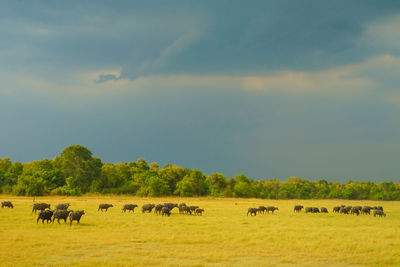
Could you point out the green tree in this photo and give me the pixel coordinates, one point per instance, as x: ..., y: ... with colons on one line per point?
x: 77, y: 164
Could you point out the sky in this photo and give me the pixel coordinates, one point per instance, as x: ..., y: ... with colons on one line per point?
x: 270, y: 89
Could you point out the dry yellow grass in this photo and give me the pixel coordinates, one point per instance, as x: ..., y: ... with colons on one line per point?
x: 224, y: 235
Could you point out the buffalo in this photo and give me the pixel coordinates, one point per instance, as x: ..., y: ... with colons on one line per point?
x: 7, y: 204
x: 252, y: 211
x: 272, y: 209
x: 315, y: 210
x: 199, y: 211
x: 324, y: 210
x: 355, y: 210
x: 261, y: 209
x: 298, y: 208
x: 193, y: 208
x: 186, y: 210
x: 380, y: 213
x: 336, y: 209
x: 104, y: 207
x: 345, y: 209
x: 165, y: 211
x: 170, y: 205
x: 158, y: 208
x: 62, y: 206
x: 40, y: 206
x: 45, y: 215
x: 75, y: 216
x: 130, y: 207
x: 309, y: 209
x: 366, y: 210
x: 61, y: 215
x: 147, y: 207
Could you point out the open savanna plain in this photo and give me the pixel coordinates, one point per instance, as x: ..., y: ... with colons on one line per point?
x: 224, y: 235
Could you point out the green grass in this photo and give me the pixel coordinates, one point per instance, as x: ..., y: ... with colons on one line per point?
x: 224, y: 235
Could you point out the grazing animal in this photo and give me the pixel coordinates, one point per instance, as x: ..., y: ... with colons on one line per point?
x: 309, y: 209
x: 170, y: 205
x: 336, y: 209
x: 315, y: 210
x: 130, y: 207
x: 199, y: 211
x: 104, y: 207
x: 45, y: 215
x: 75, y: 216
x: 165, y: 211
x: 61, y: 215
x: 298, y: 208
x: 355, y: 210
x: 7, y: 204
x: 40, y: 206
x: 62, y: 206
x: 186, y: 210
x: 261, y: 209
x: 324, y: 210
x: 366, y: 210
x: 193, y: 208
x: 158, y: 208
x: 345, y: 209
x: 147, y: 207
x: 380, y: 213
x: 252, y: 211
x: 272, y: 209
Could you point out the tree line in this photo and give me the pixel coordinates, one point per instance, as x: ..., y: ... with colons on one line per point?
x: 76, y: 171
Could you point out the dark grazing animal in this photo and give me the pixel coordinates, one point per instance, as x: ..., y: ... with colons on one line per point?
x: 380, y: 213
x: 45, y: 215
x: 130, y: 207
x: 309, y: 209
x: 61, y: 215
x: 7, y: 204
x: 170, y: 205
x: 75, y: 216
x: 147, y: 207
x: 199, y: 211
x: 193, y: 208
x: 345, y: 209
x: 252, y: 211
x: 158, y: 208
x: 366, y: 210
x: 272, y: 209
x: 298, y: 208
x: 324, y: 210
x: 315, y: 210
x: 165, y: 211
x: 186, y: 210
x: 261, y: 209
x: 336, y: 209
x: 40, y: 206
x: 104, y: 207
x: 355, y: 210
x: 62, y: 206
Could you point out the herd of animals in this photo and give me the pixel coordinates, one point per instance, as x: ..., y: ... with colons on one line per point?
x: 61, y: 211
x: 343, y: 209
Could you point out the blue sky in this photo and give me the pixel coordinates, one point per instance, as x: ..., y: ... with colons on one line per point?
x: 270, y: 89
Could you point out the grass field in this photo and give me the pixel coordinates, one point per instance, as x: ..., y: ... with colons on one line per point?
x: 224, y: 235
